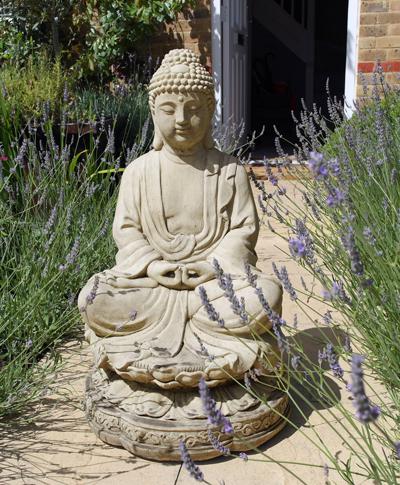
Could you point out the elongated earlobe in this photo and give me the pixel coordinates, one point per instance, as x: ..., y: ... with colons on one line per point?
x: 208, y: 141
x: 157, y: 140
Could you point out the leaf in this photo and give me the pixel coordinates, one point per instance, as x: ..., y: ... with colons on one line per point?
x: 109, y: 170
x: 74, y: 161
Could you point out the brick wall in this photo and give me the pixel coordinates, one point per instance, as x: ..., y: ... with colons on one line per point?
x: 191, y: 30
x: 379, y: 38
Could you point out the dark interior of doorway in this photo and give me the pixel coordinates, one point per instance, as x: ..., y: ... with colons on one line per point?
x: 278, y: 76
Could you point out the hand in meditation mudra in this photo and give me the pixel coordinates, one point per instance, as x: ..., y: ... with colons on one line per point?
x: 180, y: 206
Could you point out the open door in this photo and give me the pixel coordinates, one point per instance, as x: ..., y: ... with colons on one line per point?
x: 235, y: 64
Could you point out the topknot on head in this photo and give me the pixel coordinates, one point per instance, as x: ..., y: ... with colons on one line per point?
x: 181, y: 71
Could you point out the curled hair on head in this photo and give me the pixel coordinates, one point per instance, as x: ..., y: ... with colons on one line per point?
x: 181, y: 72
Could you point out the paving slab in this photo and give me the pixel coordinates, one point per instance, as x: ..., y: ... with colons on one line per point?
x: 58, y: 447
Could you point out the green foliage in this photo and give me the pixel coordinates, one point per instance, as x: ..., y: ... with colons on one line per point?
x: 114, y: 28
x: 25, y: 89
x: 339, y: 219
x: 93, y: 37
x: 60, y: 151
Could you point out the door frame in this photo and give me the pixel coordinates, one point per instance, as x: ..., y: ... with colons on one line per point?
x: 350, y: 84
x: 350, y: 91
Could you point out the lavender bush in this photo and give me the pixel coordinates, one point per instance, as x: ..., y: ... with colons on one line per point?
x: 345, y: 234
x: 57, y: 202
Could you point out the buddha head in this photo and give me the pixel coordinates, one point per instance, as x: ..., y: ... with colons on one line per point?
x: 182, y: 103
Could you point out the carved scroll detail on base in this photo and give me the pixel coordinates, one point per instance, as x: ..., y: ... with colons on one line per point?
x: 156, y: 435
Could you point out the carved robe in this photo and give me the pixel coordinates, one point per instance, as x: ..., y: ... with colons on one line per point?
x: 149, y: 333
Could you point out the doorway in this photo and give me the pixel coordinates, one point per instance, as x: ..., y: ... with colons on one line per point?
x: 288, y: 49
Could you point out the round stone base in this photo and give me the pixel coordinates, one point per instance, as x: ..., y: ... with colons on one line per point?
x: 150, y: 423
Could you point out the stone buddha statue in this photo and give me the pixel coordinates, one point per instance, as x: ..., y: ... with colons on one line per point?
x: 180, y: 207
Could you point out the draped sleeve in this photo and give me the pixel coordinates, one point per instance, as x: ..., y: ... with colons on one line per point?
x: 134, y: 251
x: 237, y: 247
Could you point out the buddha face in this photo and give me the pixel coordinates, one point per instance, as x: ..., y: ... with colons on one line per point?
x: 182, y: 119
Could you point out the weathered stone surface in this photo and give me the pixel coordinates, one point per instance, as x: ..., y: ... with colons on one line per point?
x: 129, y: 415
x: 181, y: 207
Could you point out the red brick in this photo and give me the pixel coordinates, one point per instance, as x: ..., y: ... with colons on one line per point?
x: 387, y: 66
x: 366, y: 67
x: 391, y: 66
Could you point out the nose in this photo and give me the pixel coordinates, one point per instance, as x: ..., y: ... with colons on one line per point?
x: 180, y: 116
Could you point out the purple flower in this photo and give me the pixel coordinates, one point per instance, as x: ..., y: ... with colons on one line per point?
x: 216, y: 443
x: 319, y: 170
x: 335, y: 197
x: 397, y: 449
x: 297, y: 247
x: 251, y: 277
x: 275, y: 320
x: 327, y: 317
x: 132, y: 315
x: 295, y: 361
x: 189, y: 464
x: 347, y: 344
x: 203, y: 351
x: 365, y: 412
x: 243, y: 456
x: 247, y: 380
x: 336, y: 292
x: 334, y: 167
x: 214, y: 415
x: 304, y: 236
x: 326, y: 471
x: 93, y: 292
x: 225, y: 283
x: 51, y: 220
x: 273, y: 179
x: 348, y: 241
x: 210, y: 309
x: 329, y: 354
x: 283, y: 276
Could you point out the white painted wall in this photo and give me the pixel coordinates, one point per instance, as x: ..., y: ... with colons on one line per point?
x: 353, y: 24
x: 216, y: 49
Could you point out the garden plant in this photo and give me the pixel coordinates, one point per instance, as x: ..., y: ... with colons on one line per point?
x: 57, y: 200
x: 345, y: 234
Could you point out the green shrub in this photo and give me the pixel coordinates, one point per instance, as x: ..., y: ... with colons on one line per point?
x: 92, y: 37
x: 57, y: 202
x: 26, y: 89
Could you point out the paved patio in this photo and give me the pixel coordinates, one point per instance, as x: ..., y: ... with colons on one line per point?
x: 59, y: 448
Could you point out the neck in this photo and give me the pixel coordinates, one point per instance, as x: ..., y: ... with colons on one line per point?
x: 192, y: 156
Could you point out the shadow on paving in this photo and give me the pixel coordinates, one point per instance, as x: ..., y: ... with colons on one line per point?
x: 54, y: 444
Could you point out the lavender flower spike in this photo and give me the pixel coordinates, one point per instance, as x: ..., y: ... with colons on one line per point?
x: 330, y: 355
x: 92, y: 295
x: 216, y: 443
x: 365, y: 412
x: 189, y: 464
x: 209, y: 307
x: 214, y: 415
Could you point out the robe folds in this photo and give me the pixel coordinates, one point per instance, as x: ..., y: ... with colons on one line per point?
x: 148, y: 333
